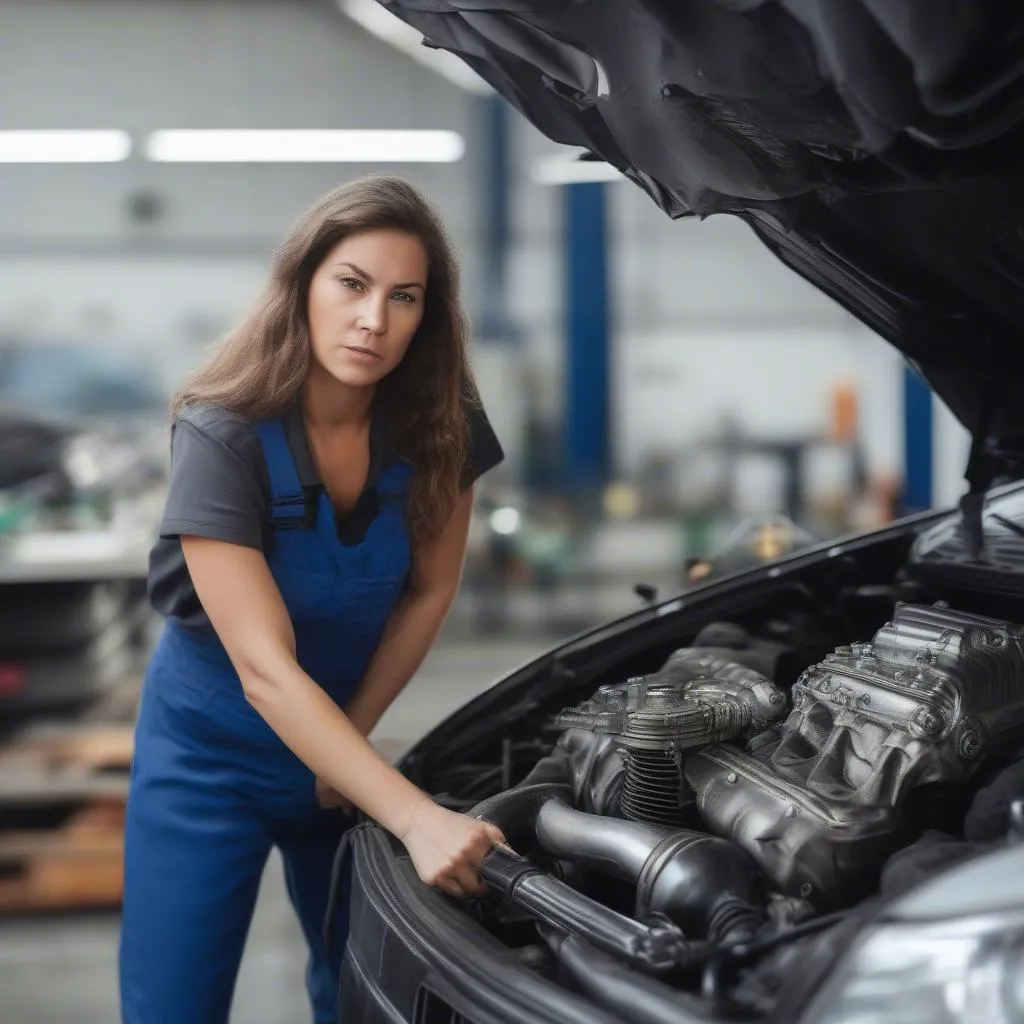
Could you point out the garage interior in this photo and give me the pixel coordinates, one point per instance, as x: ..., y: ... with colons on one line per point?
x: 663, y: 391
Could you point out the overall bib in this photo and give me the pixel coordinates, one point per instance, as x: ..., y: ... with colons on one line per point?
x: 213, y: 788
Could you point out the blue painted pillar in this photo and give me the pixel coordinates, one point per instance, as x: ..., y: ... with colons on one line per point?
x: 587, y: 440
x: 494, y: 322
x: 918, y: 443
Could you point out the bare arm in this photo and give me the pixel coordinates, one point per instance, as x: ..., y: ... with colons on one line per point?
x: 238, y: 593
x: 416, y: 621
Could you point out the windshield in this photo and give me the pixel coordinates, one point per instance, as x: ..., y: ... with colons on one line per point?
x: 79, y: 380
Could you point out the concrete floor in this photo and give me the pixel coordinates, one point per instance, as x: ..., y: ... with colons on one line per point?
x: 63, y: 970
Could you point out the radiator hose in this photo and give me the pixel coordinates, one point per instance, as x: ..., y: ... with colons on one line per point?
x: 707, y: 885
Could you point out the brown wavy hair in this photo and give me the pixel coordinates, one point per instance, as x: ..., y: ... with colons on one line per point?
x: 260, y: 366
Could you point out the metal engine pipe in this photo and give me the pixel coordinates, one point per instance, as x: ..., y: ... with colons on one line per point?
x: 707, y: 885
x: 653, y: 948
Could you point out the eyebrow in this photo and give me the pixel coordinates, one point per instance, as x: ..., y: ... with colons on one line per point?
x: 362, y: 273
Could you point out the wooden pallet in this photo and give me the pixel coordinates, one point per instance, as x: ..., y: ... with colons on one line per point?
x: 63, y: 788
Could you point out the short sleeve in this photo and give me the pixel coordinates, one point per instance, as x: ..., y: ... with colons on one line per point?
x: 485, y: 451
x: 217, y: 486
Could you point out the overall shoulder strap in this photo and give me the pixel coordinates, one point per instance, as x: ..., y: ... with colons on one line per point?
x: 394, y: 480
x: 287, y: 500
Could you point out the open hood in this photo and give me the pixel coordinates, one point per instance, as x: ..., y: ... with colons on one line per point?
x: 874, y: 145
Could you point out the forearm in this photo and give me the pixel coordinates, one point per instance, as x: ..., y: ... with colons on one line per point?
x: 331, y: 746
x: 408, y: 637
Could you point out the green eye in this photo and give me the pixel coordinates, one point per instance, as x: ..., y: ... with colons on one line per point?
x: 405, y: 297
x: 352, y: 283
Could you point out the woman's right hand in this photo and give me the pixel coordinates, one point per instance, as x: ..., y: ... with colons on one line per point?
x: 447, y: 848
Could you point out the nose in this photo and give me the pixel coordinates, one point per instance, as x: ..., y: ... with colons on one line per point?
x: 373, y: 313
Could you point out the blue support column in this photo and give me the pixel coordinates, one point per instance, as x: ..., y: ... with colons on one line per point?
x: 918, y: 442
x: 588, y: 349
x: 494, y: 322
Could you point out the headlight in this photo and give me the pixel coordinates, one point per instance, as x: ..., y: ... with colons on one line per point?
x: 962, y: 971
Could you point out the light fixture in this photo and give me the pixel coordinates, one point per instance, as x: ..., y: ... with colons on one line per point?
x: 380, y: 22
x: 505, y: 521
x: 59, y: 146
x: 361, y: 146
x: 561, y: 169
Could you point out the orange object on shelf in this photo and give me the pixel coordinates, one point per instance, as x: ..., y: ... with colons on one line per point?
x: 844, y: 408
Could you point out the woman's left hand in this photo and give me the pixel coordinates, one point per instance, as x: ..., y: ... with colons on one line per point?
x: 330, y: 798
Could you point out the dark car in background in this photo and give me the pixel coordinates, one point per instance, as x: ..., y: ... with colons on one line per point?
x: 82, y: 470
x: 795, y: 792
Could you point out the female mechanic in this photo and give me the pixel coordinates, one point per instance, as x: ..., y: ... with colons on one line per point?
x: 321, y: 486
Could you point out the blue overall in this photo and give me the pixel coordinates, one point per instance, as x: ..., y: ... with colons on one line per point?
x: 213, y: 787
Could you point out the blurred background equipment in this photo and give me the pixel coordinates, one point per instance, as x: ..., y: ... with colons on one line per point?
x: 82, y: 469
x: 62, y: 796
x: 751, y: 544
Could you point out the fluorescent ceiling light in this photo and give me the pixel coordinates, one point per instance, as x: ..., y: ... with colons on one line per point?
x: 570, y: 170
x: 64, y: 147
x: 378, y: 21
x: 359, y: 146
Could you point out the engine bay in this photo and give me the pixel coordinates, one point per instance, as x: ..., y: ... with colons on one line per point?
x: 704, y: 820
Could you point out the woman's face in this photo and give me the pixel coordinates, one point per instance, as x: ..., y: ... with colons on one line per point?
x: 365, y: 303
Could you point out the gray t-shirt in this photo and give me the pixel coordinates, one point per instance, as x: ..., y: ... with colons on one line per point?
x: 219, y: 487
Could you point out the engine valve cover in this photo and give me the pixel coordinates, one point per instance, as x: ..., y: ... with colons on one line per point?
x: 818, y: 803
x: 697, y: 698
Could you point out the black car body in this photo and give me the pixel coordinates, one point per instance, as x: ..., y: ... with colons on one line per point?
x: 791, y: 794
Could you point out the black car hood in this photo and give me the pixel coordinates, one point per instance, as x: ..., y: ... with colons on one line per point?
x: 874, y: 145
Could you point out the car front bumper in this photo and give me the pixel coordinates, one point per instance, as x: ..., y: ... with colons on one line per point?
x: 414, y: 956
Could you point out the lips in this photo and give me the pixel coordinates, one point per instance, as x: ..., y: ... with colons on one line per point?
x: 363, y: 353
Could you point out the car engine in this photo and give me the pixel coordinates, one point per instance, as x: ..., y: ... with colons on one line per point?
x: 731, y: 809
x: 817, y: 802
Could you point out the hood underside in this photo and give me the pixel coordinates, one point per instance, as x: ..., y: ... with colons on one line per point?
x: 874, y: 145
